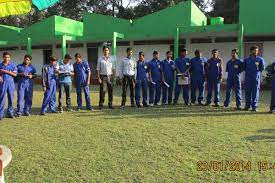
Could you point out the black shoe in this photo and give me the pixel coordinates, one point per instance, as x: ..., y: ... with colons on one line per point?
x: 246, y: 109
x: 17, y: 115
x: 254, y: 110
x: 60, y: 109
x: 175, y: 103
x: 101, y: 107
x: 122, y: 106
x: 111, y: 107
x: 186, y: 103
x: 200, y: 104
x: 42, y: 113
x: 207, y: 104
x: 11, y: 116
x: 54, y: 112
x: 138, y: 106
x: 145, y: 105
x: 272, y: 111
x: 27, y: 114
x: 217, y: 105
x: 239, y: 108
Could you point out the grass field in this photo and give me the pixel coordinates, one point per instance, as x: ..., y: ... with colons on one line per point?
x: 162, y: 144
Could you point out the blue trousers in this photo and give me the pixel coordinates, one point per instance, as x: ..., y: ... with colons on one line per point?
x: 154, y: 93
x: 236, y: 84
x: 213, y: 83
x: 197, y: 83
x: 7, y: 87
x: 252, y: 92
x: 86, y: 89
x: 49, y: 98
x: 169, y: 91
x: 24, y: 97
x: 141, y: 85
x: 185, y: 91
x: 272, y: 105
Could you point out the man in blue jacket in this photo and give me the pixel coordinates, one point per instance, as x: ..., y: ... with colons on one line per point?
x: 82, y: 79
x: 182, y: 65
x: 168, y: 74
x: 155, y: 76
x: 197, y: 70
x: 49, y: 73
x: 213, y: 70
x: 26, y: 72
x: 272, y: 105
x: 7, y: 73
x: 254, y: 65
x: 141, y: 81
x: 234, y: 68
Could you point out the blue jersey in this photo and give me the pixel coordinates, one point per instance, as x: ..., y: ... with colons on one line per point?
x: 155, y: 69
x: 27, y: 70
x: 81, y: 71
x: 214, y: 69
x: 234, y: 68
x: 10, y: 67
x: 183, y: 65
x: 253, y: 66
x: 142, y: 69
x: 197, y: 67
x: 168, y: 68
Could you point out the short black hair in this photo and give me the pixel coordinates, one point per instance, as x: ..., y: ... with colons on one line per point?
x: 254, y: 47
x: 105, y: 47
x: 214, y: 50
x: 6, y: 53
x: 52, y: 58
x: 197, y: 52
x: 129, y: 49
x: 155, y: 52
x: 183, y: 50
x: 168, y: 52
x: 77, y: 55
x: 235, y: 50
x: 67, y: 56
x: 141, y: 53
x: 28, y: 56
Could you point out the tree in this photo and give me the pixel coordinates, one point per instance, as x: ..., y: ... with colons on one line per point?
x: 229, y: 10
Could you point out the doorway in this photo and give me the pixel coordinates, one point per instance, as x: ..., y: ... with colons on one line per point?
x: 92, y: 59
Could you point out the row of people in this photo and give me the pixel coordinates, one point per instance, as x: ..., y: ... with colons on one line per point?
x: 158, y: 75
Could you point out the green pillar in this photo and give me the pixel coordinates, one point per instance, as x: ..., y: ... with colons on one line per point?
x: 241, y: 41
x: 114, y: 47
x: 176, y: 43
x: 29, y: 46
x: 64, y: 46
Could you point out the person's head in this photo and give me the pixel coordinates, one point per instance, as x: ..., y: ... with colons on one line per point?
x: 67, y: 58
x: 215, y: 53
x: 53, y: 60
x: 254, y: 50
x: 141, y: 56
x: 6, y: 57
x: 129, y: 52
x: 234, y: 53
x: 198, y: 54
x: 183, y: 52
x: 169, y: 55
x: 156, y: 55
x: 78, y: 57
x: 27, y: 59
x: 106, y: 51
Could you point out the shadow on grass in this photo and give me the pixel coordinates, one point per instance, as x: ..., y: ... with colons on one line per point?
x: 267, y: 138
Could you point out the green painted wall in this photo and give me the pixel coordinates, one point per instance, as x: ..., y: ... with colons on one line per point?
x: 10, y: 34
x: 257, y: 16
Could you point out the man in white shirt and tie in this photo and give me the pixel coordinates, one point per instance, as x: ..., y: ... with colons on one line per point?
x: 128, y: 75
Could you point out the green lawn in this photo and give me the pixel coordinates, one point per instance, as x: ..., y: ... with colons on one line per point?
x: 162, y: 144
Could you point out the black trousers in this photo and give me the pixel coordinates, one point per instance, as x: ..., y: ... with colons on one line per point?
x: 128, y: 81
x: 104, y: 86
x: 67, y: 88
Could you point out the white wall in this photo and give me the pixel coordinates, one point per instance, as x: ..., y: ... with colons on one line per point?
x: 269, y: 52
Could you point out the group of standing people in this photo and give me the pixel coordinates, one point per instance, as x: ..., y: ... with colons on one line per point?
x: 164, y: 79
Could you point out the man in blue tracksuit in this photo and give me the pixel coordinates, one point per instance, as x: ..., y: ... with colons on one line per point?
x: 234, y: 68
x: 254, y: 65
x: 49, y: 72
x: 182, y: 65
x: 141, y: 81
x: 197, y: 70
x: 26, y: 72
x: 82, y: 81
x: 155, y: 76
x: 168, y: 74
x: 7, y: 73
x: 272, y: 105
x: 213, y: 71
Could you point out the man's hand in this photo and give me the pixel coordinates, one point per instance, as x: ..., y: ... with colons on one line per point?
x: 30, y: 76
x: 99, y: 80
x: 220, y: 80
x: 3, y: 71
x: 45, y: 88
x: 88, y: 83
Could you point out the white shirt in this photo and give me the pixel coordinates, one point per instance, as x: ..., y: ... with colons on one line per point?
x: 105, y: 65
x: 128, y: 67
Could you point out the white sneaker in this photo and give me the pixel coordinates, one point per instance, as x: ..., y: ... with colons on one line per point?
x: 159, y: 104
x: 151, y: 105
